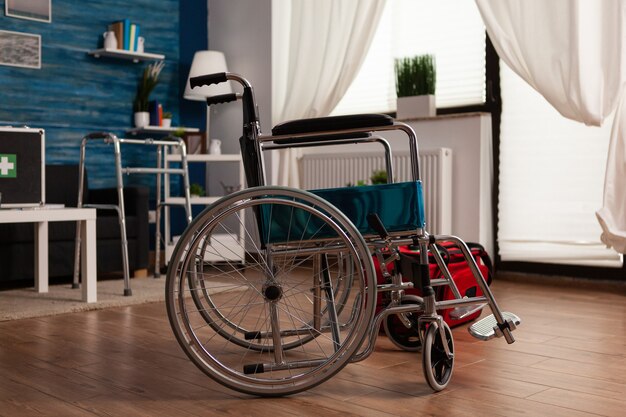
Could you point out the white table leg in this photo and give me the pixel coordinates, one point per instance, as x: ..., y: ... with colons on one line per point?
x: 41, y: 256
x: 88, y: 265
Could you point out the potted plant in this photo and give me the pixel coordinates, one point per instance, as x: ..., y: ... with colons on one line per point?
x: 379, y: 177
x: 149, y: 79
x: 167, y: 119
x: 415, y: 86
x: 196, y: 190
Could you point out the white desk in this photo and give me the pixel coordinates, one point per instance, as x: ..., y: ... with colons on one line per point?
x: 88, y: 243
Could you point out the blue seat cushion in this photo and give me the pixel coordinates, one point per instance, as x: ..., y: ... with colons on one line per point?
x: 400, y: 206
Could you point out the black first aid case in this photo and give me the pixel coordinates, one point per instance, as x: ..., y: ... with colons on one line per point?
x: 22, y: 167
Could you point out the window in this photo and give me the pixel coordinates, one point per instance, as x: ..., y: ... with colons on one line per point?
x: 551, y: 169
x: 551, y: 181
x: 451, y: 30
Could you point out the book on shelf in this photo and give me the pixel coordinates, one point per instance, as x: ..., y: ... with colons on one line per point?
x: 136, y: 39
x: 156, y: 110
x: 126, y: 34
x: 118, y: 29
x: 131, y: 37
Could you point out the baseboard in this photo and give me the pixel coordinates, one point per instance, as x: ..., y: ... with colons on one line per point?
x: 561, y: 281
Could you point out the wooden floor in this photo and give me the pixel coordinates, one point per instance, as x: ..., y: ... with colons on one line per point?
x: 569, y: 360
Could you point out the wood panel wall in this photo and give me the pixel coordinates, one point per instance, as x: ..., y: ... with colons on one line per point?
x: 73, y: 93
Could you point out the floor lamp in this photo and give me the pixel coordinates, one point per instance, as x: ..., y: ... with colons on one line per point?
x: 207, y: 62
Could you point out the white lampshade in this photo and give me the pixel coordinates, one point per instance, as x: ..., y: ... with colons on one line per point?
x: 207, y: 62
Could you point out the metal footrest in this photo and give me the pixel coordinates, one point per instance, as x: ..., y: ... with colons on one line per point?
x: 462, y: 312
x: 487, y: 328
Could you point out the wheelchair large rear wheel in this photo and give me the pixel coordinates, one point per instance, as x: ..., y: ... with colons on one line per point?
x: 270, y: 291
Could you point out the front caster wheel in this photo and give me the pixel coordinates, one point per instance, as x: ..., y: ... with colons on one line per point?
x: 436, y: 364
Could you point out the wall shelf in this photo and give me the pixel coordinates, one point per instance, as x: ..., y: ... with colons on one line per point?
x: 124, y: 54
x: 234, y: 243
x: 205, y: 157
x: 160, y: 130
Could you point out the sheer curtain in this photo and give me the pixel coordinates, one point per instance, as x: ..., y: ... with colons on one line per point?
x: 317, y: 49
x: 573, y: 52
x: 551, y: 176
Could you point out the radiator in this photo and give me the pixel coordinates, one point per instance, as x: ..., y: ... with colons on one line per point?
x: 338, y: 170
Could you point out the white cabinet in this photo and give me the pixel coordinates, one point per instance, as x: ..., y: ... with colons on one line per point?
x: 236, y: 243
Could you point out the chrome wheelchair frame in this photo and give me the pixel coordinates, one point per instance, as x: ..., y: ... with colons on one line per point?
x: 302, y: 304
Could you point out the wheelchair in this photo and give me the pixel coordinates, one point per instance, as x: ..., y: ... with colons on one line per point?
x: 272, y: 290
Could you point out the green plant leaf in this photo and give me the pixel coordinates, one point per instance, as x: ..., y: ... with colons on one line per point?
x: 379, y: 177
x: 148, y: 81
x: 196, y: 189
x: 415, y: 75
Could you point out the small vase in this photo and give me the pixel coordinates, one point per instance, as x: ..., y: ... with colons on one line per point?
x: 414, y: 107
x: 166, y: 123
x: 142, y: 119
x: 215, y: 147
x: 110, y: 41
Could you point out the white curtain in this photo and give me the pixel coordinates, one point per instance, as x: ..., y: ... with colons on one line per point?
x: 317, y: 50
x: 612, y: 216
x: 573, y: 52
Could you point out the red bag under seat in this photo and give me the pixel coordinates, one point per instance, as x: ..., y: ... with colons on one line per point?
x: 459, y: 270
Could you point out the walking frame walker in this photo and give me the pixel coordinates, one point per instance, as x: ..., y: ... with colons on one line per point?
x: 302, y: 304
x: 173, y: 143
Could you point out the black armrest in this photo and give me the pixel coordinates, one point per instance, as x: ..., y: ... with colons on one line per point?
x: 311, y: 139
x: 324, y: 124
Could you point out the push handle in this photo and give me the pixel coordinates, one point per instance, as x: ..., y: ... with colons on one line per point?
x: 222, y: 98
x: 250, y: 115
x: 209, y: 79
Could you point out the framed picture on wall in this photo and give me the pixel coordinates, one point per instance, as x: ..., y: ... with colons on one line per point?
x: 40, y: 10
x: 19, y: 49
x: 195, y: 142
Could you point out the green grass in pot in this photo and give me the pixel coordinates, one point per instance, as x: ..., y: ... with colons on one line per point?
x: 415, y: 76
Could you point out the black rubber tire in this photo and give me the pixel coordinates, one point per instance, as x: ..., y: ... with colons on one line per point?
x: 437, y: 367
x: 405, y: 338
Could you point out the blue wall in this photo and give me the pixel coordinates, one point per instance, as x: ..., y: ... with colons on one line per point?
x: 74, y: 93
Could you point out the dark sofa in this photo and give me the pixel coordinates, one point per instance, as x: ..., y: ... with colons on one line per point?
x: 16, y: 240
